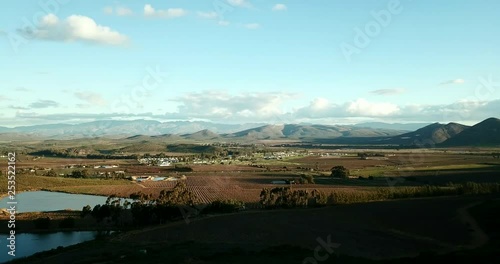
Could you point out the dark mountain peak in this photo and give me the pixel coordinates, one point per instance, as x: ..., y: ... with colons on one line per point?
x: 484, y: 133
x: 492, y: 121
x: 434, y: 133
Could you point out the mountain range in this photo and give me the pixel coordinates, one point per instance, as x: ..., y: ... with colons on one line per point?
x: 123, y: 128
x: 485, y: 133
x: 191, y: 130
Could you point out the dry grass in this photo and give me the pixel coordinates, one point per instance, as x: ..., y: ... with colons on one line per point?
x: 28, y: 183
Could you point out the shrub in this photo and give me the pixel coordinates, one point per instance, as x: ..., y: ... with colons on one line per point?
x: 42, y: 223
x: 284, y: 197
x: 318, y: 199
x: 224, y: 206
x: 306, y: 179
x: 68, y: 222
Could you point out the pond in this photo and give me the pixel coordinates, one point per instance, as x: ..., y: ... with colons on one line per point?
x: 28, y: 244
x: 40, y: 201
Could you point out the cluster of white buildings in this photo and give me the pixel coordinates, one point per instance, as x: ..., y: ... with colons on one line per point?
x: 280, y: 155
x: 143, y: 178
x: 105, y: 166
x: 163, y: 162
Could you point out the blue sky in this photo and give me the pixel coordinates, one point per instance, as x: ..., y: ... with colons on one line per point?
x: 238, y: 61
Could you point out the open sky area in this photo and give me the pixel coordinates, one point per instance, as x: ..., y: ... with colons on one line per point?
x: 244, y: 61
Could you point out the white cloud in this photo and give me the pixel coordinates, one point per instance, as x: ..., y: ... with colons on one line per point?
x: 319, y: 104
x: 123, y: 11
x: 387, y: 91
x: 239, y: 3
x: 268, y: 107
x: 322, y: 108
x: 223, y: 107
x: 22, y: 89
x: 50, y: 20
x: 218, y: 105
x: 362, y: 107
x: 208, y: 15
x: 44, y: 104
x: 91, y: 98
x: 119, y: 11
x: 108, y: 10
x: 212, y: 16
x: 456, y: 81
x: 279, y: 7
x: 74, y: 28
x: 149, y: 11
x: 252, y: 26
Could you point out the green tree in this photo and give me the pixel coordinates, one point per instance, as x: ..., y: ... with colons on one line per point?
x: 306, y: 178
x: 179, y: 195
x: 284, y: 197
x: 340, y: 172
x: 86, y: 210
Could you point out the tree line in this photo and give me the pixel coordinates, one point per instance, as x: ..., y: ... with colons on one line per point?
x: 142, y: 209
x: 285, y: 197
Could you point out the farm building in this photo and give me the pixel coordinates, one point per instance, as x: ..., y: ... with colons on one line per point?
x: 164, y: 163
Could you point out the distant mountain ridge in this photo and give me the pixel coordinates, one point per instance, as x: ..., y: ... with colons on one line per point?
x: 193, y: 130
x: 395, y: 126
x: 124, y: 128
x: 294, y: 131
x: 485, y: 133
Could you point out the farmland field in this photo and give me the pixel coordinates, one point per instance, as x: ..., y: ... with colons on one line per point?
x: 245, y: 180
x: 384, y: 208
